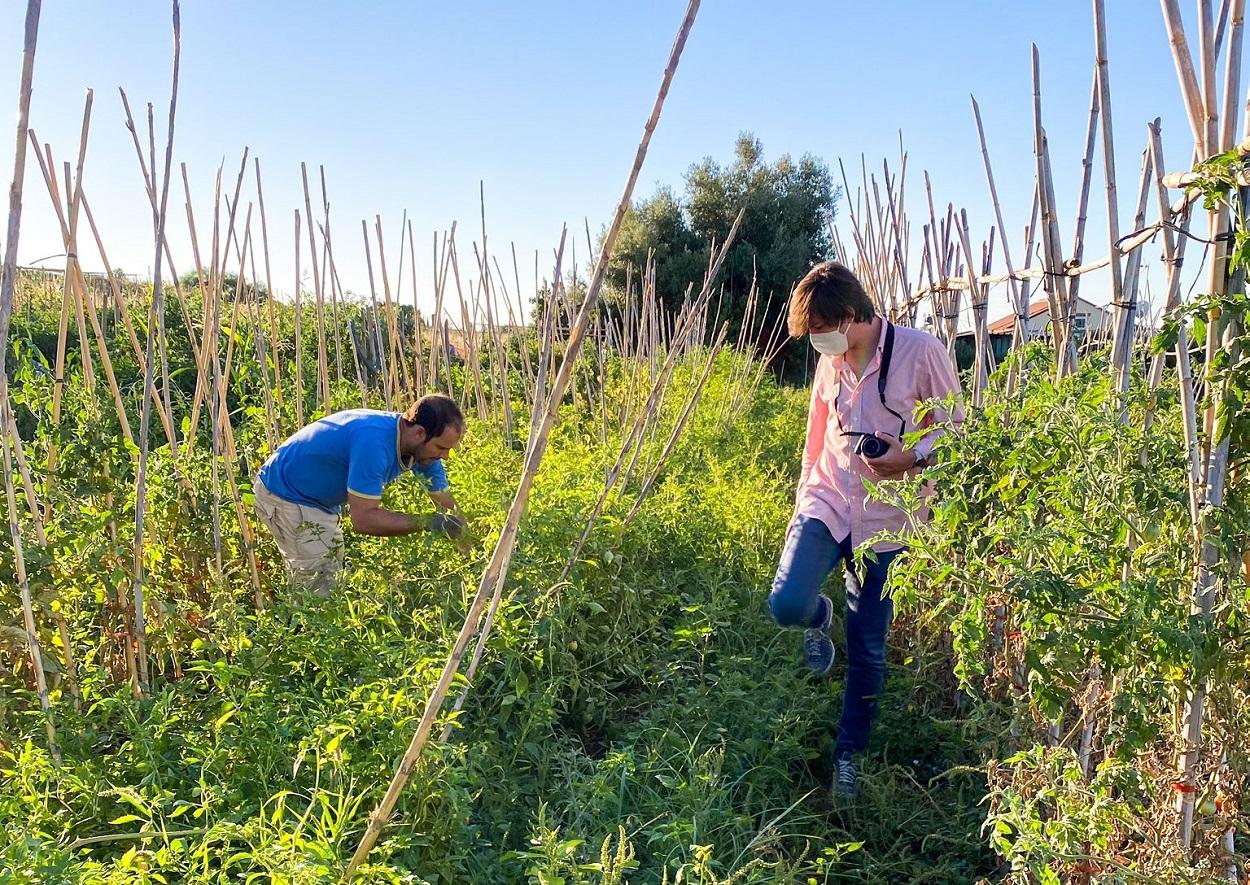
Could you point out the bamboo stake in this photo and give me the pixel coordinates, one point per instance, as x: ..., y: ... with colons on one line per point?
x: 1173, y: 253
x: 227, y: 433
x: 335, y: 296
x: 323, y: 379
x: 1021, y: 307
x: 1184, y: 61
x: 980, y: 377
x: 32, y: 505
x: 436, y: 318
x: 1232, y: 72
x: 497, y: 570
x: 1126, y: 334
x: 472, y: 359
x: 150, y: 187
x: 219, y: 254
x: 1087, y: 174
x: 1054, y: 281
x: 273, y: 295
x: 158, y: 300
x: 212, y: 338
x: 488, y: 293
x: 522, y: 327
x: 8, y: 279
x: 62, y: 338
x: 1222, y: 335
x: 75, y: 284
x: 394, y: 355
x: 1126, y: 311
x: 299, y: 335
x: 418, y: 364
x: 373, y: 295
x: 262, y: 357
x: 206, y: 289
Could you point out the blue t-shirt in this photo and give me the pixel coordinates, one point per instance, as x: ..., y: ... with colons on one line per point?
x: 353, y: 451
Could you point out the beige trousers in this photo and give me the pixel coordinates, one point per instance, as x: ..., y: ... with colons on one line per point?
x: 310, y: 539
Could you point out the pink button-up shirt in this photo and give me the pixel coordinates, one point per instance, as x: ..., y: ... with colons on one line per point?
x: 831, y: 486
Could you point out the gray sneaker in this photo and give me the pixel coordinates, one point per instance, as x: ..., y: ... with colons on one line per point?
x: 818, y: 648
x: 845, y: 781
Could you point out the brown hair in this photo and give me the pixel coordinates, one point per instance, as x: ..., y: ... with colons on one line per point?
x: 828, y: 295
x: 435, y: 412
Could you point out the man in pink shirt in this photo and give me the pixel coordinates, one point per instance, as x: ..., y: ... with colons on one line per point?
x: 870, y: 378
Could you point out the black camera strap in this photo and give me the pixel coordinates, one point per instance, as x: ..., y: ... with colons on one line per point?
x: 883, y: 376
x: 887, y: 353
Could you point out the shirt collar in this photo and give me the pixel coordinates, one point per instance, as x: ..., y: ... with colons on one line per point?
x: 399, y: 423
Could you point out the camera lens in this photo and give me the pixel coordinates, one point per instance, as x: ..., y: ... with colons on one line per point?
x: 873, y: 447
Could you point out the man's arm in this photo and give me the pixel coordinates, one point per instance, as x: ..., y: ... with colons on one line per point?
x: 369, y: 517
x: 817, y: 425
x: 936, y: 380
x: 942, y: 382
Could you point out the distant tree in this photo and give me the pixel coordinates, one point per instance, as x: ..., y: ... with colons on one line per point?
x: 789, y: 205
x: 190, y: 282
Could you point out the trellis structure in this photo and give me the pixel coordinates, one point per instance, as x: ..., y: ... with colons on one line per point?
x: 881, y: 250
x: 396, y: 353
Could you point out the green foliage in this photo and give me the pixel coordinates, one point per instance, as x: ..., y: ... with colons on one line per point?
x: 1061, y: 540
x: 644, y: 722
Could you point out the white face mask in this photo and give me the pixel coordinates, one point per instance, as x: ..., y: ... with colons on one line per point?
x: 831, y: 343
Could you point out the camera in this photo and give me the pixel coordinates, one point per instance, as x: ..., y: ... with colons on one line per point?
x: 869, y: 446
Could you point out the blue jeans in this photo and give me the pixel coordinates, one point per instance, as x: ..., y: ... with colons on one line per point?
x: 808, y: 557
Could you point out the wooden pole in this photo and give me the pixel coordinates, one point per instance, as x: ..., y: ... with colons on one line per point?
x: 497, y: 570
x: 335, y: 296
x: 1020, y: 308
x: 1054, y: 281
x: 150, y: 187
x: 1127, y: 332
x: 418, y: 356
x: 393, y: 349
x: 1125, y: 311
x: 75, y: 285
x: 1184, y: 61
x: 8, y: 279
x: 273, y: 296
x: 299, y: 334
x: 158, y: 305
x: 323, y: 377
x: 1082, y: 203
x: 373, y: 296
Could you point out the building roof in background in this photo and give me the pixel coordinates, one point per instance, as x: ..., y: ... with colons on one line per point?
x: 1037, y: 307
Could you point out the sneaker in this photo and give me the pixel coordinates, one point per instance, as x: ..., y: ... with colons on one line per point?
x: 844, y: 782
x: 817, y: 646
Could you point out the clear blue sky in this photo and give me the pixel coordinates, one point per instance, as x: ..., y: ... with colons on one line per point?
x: 408, y: 105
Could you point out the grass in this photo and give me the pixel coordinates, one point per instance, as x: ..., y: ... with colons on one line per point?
x: 645, y: 722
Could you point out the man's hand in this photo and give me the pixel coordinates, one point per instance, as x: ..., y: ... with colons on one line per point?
x: 894, y: 463
x: 449, y: 524
x: 456, y: 528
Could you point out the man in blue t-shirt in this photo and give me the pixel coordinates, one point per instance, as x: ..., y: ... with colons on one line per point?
x: 348, y: 458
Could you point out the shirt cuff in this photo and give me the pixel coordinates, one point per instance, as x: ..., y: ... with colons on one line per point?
x: 924, y: 447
